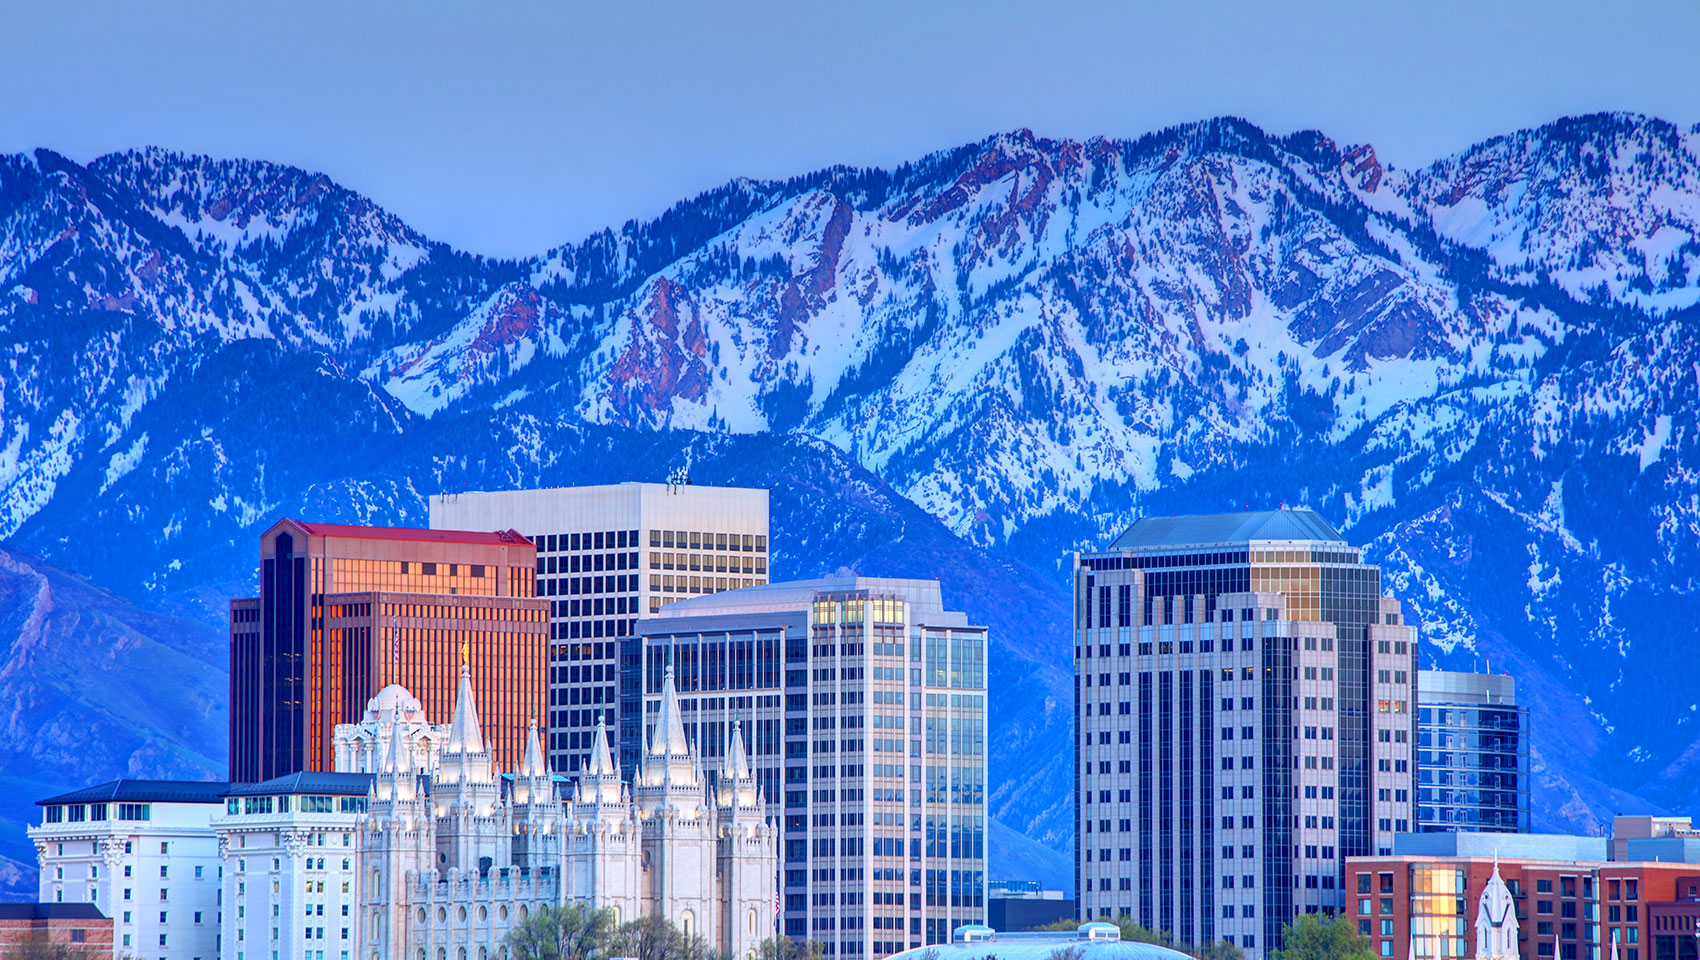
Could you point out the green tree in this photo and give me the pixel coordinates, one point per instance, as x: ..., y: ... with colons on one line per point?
x: 785, y: 948
x: 654, y: 938
x: 1313, y: 938
x: 571, y: 932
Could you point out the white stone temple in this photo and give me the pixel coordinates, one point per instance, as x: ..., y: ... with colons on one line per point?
x: 453, y: 854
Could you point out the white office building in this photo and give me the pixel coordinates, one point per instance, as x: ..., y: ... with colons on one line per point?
x: 291, y: 857
x: 607, y: 557
x: 144, y: 852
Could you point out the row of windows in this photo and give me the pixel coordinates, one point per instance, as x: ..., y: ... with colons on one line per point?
x: 453, y: 611
x: 709, y: 562
x: 79, y: 812
x: 305, y: 804
x: 624, y: 539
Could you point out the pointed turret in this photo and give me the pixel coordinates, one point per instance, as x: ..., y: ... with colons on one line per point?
x: 533, y: 766
x: 464, y: 733
x: 737, y: 786
x: 668, y: 741
x: 601, y: 760
x: 1496, y: 919
x: 670, y: 777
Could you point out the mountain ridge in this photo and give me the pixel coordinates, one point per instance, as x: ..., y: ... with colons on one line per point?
x: 1029, y: 340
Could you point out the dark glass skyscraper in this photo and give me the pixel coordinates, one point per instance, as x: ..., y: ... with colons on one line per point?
x: 1472, y: 754
x: 1243, y: 723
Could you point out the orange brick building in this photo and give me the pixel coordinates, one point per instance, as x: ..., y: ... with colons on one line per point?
x: 345, y: 611
x: 1568, y: 909
x: 77, y: 926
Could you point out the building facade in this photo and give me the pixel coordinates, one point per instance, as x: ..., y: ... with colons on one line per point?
x: 144, y: 854
x: 31, y: 929
x: 1571, y: 903
x: 454, y: 855
x: 290, y: 859
x: 1472, y: 753
x: 608, y: 556
x: 865, y: 699
x: 344, y: 611
x: 1244, y: 705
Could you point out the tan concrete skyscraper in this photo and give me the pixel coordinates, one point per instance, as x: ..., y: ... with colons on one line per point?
x: 607, y: 557
x: 1245, y: 705
x: 345, y: 611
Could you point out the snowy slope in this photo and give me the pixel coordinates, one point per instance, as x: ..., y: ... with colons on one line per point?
x: 1485, y: 369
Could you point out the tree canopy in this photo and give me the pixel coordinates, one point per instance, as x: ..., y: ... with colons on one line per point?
x: 1312, y: 937
x: 577, y: 932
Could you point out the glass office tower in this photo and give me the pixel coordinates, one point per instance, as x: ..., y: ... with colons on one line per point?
x: 1472, y: 754
x: 867, y: 701
x: 1244, y: 716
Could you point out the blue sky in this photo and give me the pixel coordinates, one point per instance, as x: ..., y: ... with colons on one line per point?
x: 508, y: 127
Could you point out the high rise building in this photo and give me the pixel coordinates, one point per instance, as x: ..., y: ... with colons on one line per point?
x: 1244, y: 723
x: 608, y: 556
x: 866, y: 700
x: 1472, y: 754
x: 344, y: 611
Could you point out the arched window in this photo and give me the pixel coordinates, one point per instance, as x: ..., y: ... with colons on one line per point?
x: 750, y: 922
x: 688, y: 923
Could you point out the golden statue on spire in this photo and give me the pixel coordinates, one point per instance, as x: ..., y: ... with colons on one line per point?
x: 465, y: 653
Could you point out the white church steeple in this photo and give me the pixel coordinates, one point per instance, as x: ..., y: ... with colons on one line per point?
x: 1496, y: 920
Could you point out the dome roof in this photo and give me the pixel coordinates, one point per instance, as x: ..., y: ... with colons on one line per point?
x: 1095, y: 941
x: 394, y: 699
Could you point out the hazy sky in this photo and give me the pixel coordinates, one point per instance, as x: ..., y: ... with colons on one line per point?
x: 507, y: 127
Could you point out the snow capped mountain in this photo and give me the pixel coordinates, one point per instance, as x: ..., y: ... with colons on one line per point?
x: 1486, y: 369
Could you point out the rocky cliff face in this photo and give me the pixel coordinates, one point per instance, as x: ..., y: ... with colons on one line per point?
x: 1486, y: 369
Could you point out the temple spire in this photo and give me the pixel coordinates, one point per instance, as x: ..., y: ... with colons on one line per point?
x: 737, y: 760
x: 533, y: 766
x: 670, y: 761
x: 464, y: 733
x: 668, y: 741
x: 601, y: 760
